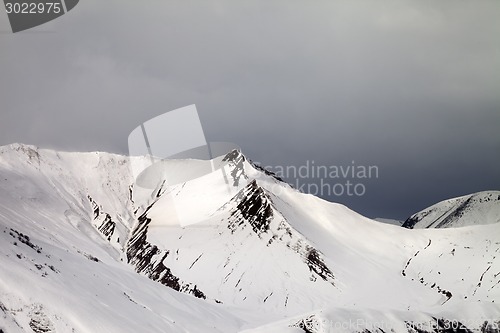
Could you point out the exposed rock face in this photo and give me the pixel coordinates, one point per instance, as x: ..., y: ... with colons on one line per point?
x: 102, y: 221
x: 235, y: 160
x: 310, y: 324
x: 254, y: 207
x: 148, y: 259
x: 39, y: 322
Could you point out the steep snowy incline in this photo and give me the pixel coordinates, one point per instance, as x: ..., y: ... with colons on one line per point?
x: 478, y: 208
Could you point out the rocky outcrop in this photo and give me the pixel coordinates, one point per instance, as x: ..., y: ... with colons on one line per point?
x: 148, y: 259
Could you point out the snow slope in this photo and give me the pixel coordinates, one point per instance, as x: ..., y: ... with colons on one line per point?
x: 478, y: 208
x: 86, y: 249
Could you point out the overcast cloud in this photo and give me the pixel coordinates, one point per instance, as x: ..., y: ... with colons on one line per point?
x: 409, y: 86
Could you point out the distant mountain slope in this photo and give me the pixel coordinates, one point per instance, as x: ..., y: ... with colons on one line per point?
x: 474, y: 209
x: 84, y: 248
x: 388, y: 221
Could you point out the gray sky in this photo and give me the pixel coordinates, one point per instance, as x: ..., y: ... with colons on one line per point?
x: 409, y: 86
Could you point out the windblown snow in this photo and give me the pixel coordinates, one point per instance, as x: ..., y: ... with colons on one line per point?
x: 87, y: 249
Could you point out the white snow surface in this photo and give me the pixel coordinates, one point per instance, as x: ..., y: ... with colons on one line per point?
x: 86, y: 249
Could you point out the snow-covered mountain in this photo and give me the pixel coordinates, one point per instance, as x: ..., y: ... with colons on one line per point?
x: 478, y: 208
x: 87, y: 249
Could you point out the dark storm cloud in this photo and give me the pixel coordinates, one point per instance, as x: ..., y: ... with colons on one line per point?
x: 411, y: 87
